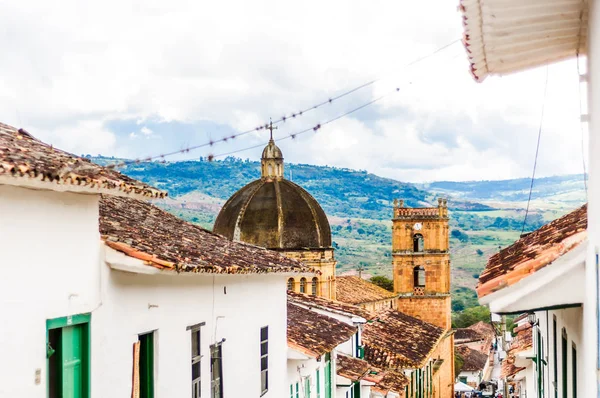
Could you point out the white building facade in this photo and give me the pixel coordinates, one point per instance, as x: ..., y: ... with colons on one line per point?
x: 100, y: 304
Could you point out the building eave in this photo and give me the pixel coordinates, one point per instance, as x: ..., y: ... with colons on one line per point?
x: 507, y: 36
x: 538, y: 290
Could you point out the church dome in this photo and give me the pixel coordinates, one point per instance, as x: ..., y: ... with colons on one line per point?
x: 276, y: 214
x: 273, y: 212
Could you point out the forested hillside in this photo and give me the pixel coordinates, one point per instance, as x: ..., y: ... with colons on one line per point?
x: 485, y: 215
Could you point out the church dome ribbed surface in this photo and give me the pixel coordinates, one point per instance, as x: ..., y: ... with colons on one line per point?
x: 276, y: 214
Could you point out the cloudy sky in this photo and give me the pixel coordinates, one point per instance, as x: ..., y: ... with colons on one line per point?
x: 137, y: 78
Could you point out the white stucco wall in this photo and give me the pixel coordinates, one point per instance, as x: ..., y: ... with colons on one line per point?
x: 472, y: 377
x: 53, y: 266
x: 234, y: 307
x: 572, y: 320
x: 49, y: 252
x: 591, y: 328
x: 310, y: 366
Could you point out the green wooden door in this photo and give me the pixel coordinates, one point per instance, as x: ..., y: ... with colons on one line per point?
x: 147, y: 365
x: 73, y: 353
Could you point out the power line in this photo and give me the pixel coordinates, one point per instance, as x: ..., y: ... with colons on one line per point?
x: 280, y: 120
x: 315, y: 128
x: 537, y: 149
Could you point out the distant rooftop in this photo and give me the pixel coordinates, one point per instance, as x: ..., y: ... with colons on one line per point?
x: 356, y: 290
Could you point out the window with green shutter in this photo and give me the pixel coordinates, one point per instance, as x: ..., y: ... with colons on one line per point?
x: 318, y: 383
x: 146, y: 365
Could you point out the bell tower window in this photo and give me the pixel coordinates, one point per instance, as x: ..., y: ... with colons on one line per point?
x: 418, y: 243
x: 419, y: 277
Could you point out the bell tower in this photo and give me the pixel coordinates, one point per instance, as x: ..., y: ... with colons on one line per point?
x: 421, y: 262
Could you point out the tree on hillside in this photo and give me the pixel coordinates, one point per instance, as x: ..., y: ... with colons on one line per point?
x: 471, y: 316
x: 383, y: 282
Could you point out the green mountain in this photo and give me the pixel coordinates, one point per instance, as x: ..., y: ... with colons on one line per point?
x: 485, y: 215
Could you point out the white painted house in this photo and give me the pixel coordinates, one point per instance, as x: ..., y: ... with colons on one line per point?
x: 542, y: 274
x: 105, y: 295
x: 507, y: 36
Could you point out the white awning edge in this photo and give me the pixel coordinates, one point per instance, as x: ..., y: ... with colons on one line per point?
x: 507, y: 36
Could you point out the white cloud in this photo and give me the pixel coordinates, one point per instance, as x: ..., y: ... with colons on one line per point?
x: 74, y: 66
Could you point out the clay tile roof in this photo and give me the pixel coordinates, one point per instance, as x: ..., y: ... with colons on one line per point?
x: 464, y: 335
x: 329, y: 305
x: 483, y: 328
x: 398, y: 341
x: 533, y: 251
x: 387, y: 380
x: 24, y: 160
x: 473, y: 360
x: 351, y: 368
x: 356, y: 290
x: 143, y: 231
x: 315, y: 334
x: 523, y: 341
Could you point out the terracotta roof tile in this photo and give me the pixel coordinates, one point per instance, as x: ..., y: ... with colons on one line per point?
x: 387, y: 380
x: 356, y: 290
x: 26, y: 158
x: 143, y: 231
x: 398, y: 341
x: 465, y: 335
x: 533, y: 252
x: 338, y: 307
x: 351, y: 368
x: 314, y: 334
x: 523, y: 341
x: 473, y: 360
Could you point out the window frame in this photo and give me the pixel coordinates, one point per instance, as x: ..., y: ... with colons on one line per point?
x: 216, y: 360
x: 196, y: 359
x: 264, y: 360
x: 303, y: 285
x: 290, y: 284
x: 315, y: 286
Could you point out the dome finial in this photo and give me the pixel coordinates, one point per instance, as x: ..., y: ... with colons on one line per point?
x: 271, y: 128
x: 272, y: 158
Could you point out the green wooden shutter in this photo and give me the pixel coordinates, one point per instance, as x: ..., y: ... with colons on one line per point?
x: 146, y: 365
x: 307, y: 387
x: 328, y: 376
x: 318, y: 383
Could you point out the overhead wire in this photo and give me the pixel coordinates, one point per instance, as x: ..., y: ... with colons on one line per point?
x: 316, y: 127
x: 277, y: 121
x: 537, y: 150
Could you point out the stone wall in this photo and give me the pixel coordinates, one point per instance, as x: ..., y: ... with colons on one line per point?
x: 322, y: 260
x: 443, y: 379
x: 432, y: 309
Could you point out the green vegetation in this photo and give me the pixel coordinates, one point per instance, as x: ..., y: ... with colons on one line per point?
x: 470, y: 316
x: 383, y: 282
x: 484, y: 215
